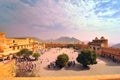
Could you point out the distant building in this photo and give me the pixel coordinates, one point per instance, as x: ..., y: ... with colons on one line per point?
x: 97, y: 44
x: 100, y: 46
x: 9, y: 46
x: 65, y: 45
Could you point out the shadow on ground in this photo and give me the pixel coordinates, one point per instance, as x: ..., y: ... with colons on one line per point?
x: 55, y: 69
x: 109, y: 62
x: 77, y: 67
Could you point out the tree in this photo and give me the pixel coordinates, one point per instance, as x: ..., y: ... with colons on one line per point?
x: 87, y: 57
x: 27, y: 54
x: 19, y: 54
x: 24, y: 53
x: 62, y: 60
x: 36, y: 56
x: 71, y: 46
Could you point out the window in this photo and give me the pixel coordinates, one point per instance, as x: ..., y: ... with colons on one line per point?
x: 98, y: 48
x: 93, y: 48
x: 13, y: 41
x: 18, y: 47
x: 13, y: 47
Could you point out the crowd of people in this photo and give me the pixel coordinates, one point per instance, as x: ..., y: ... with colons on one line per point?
x: 71, y: 64
x: 25, y: 66
x: 53, y: 65
x: 110, y: 58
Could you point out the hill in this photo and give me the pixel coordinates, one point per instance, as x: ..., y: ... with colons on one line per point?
x: 116, y: 45
x: 65, y: 40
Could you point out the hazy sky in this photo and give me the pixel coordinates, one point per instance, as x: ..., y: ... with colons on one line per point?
x: 46, y: 19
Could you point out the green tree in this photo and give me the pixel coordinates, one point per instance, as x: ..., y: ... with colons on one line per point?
x: 24, y: 53
x: 19, y: 54
x: 87, y: 57
x: 71, y: 46
x: 36, y: 56
x: 62, y: 60
x: 27, y: 54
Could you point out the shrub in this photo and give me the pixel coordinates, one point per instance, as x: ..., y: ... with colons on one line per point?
x: 24, y: 53
x: 87, y: 57
x: 62, y: 60
x: 36, y: 56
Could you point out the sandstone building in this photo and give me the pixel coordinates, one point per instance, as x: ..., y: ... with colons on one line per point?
x: 9, y: 46
x: 100, y: 46
x: 97, y: 44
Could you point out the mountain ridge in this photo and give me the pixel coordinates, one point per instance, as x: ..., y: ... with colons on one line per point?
x: 64, y: 39
x: 116, y: 45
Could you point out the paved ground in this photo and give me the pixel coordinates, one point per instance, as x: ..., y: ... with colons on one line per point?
x: 99, y: 77
x: 104, y: 67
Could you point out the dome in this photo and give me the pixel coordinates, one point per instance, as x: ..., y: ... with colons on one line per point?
x: 102, y: 38
x: 96, y: 38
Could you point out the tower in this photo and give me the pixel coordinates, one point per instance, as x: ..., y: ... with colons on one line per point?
x: 104, y: 42
x: 98, y: 44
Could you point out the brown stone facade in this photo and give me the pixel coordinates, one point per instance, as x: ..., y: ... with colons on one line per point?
x: 96, y: 43
x: 112, y: 53
x: 100, y: 46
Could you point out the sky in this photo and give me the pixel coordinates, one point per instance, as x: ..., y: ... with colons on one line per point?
x: 51, y: 19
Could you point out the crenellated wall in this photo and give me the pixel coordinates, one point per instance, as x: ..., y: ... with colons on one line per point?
x: 100, y: 46
x: 113, y: 53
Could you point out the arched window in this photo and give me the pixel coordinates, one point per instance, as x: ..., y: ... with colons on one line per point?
x: 13, y: 41
x: 93, y: 48
x: 13, y: 47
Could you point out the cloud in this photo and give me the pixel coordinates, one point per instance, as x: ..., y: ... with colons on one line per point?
x: 61, y: 17
x: 29, y: 2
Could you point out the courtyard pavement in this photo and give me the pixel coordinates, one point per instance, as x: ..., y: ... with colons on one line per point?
x: 103, y: 67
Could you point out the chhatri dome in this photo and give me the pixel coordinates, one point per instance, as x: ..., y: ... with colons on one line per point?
x: 96, y: 38
x: 102, y: 38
